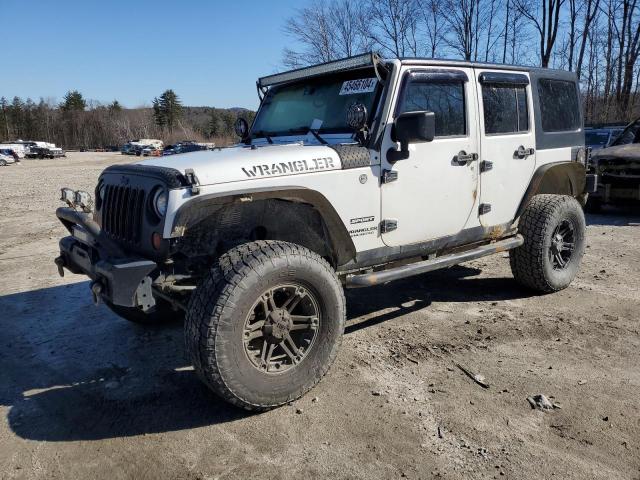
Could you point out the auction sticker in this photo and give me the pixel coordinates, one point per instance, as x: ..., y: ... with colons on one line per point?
x: 362, y: 85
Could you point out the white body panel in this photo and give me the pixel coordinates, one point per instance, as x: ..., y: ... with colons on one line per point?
x: 433, y: 196
x: 353, y: 193
x: 504, y: 185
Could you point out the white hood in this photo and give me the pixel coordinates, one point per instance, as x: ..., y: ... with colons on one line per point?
x: 247, y: 163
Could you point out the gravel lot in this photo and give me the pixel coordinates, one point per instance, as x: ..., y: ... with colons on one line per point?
x: 84, y: 394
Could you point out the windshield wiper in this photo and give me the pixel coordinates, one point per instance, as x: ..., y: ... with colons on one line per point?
x: 305, y: 130
x: 263, y: 134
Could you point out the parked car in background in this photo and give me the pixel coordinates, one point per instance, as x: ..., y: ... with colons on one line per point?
x: 10, y: 152
x: 183, y: 147
x: 20, y: 148
x: 151, y: 151
x: 618, y: 170
x: 43, y: 152
x: 597, y: 138
x: 6, y: 160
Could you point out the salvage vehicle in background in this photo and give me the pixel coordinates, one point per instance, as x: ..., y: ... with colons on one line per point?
x: 617, y: 168
x: 41, y: 152
x: 151, y: 151
x: 597, y: 138
x: 6, y: 160
x: 183, y: 147
x: 10, y: 152
x: 355, y: 173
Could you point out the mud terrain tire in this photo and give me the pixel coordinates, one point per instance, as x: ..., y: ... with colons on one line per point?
x: 553, y: 228
x: 243, y: 287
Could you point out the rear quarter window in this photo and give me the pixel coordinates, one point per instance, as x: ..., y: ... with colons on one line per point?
x: 559, y: 107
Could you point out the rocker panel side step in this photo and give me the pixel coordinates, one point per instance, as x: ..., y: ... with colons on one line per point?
x: 384, y: 276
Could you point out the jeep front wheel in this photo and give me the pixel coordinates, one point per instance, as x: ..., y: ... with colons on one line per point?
x: 553, y: 228
x: 265, y: 324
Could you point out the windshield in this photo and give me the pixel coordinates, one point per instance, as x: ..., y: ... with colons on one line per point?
x: 628, y: 135
x: 319, y: 103
x: 597, y: 138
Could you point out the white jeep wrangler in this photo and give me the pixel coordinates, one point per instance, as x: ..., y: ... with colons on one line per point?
x: 354, y: 173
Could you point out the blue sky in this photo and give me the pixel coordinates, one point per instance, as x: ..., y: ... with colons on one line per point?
x: 209, y: 52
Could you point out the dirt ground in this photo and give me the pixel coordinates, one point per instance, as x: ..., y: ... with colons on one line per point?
x: 84, y: 394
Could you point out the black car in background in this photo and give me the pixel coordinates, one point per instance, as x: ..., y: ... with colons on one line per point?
x: 618, y: 170
x: 182, y: 147
x: 598, y: 138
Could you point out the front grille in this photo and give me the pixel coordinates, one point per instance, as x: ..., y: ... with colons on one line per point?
x: 123, y: 212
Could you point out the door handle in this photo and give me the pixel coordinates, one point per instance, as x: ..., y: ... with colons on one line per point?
x: 462, y: 158
x: 523, y: 153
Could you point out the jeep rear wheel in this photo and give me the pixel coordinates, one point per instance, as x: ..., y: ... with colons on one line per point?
x: 553, y: 228
x: 266, y: 323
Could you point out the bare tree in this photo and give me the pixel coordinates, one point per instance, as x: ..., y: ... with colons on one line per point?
x: 434, y: 24
x: 390, y: 25
x: 544, y: 15
x: 590, y: 13
x: 463, y: 23
x: 325, y: 32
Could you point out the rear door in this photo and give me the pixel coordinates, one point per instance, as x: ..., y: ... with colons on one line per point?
x: 508, y: 155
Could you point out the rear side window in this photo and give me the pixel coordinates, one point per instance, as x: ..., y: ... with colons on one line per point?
x: 444, y: 98
x: 559, y: 106
x: 505, y: 109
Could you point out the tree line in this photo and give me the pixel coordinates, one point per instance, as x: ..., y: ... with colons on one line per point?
x: 599, y: 40
x: 78, y: 123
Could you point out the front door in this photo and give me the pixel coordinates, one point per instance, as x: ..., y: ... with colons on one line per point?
x: 435, y: 192
x: 508, y: 142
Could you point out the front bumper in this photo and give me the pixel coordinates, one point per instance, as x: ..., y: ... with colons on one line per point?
x: 118, y: 279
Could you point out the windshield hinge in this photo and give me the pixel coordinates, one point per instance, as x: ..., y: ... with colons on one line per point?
x: 387, y: 226
x: 485, y: 166
x: 192, y: 180
x: 389, y: 176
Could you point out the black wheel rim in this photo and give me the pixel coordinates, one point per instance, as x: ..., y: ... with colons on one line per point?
x: 281, y: 328
x: 563, y: 243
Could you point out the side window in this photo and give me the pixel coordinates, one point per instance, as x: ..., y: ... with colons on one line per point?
x: 559, y: 106
x: 505, y: 109
x: 445, y: 98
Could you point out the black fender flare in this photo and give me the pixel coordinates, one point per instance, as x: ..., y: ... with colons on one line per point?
x: 200, y: 207
x: 561, y: 178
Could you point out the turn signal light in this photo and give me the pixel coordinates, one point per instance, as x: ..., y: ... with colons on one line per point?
x: 156, y: 240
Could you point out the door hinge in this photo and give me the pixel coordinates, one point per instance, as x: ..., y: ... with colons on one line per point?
x: 485, y: 166
x: 389, y: 176
x: 387, y: 226
x: 484, y: 208
x: 192, y: 180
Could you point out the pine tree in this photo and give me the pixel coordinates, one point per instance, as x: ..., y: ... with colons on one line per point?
x: 73, y: 101
x: 170, y: 108
x: 115, y: 106
x: 158, y: 114
x: 4, y: 118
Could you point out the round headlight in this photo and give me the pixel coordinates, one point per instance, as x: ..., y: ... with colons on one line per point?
x: 100, y: 193
x: 160, y: 200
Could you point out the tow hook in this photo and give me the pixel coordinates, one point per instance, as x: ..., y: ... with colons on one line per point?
x: 96, y: 291
x: 60, y: 263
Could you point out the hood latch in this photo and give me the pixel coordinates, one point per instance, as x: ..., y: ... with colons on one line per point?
x: 192, y: 180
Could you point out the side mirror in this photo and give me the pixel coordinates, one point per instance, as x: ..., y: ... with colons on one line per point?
x: 411, y: 127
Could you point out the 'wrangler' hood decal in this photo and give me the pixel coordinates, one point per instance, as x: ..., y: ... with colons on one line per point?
x: 245, y: 163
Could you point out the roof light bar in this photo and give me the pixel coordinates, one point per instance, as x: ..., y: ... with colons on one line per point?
x: 349, y: 63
